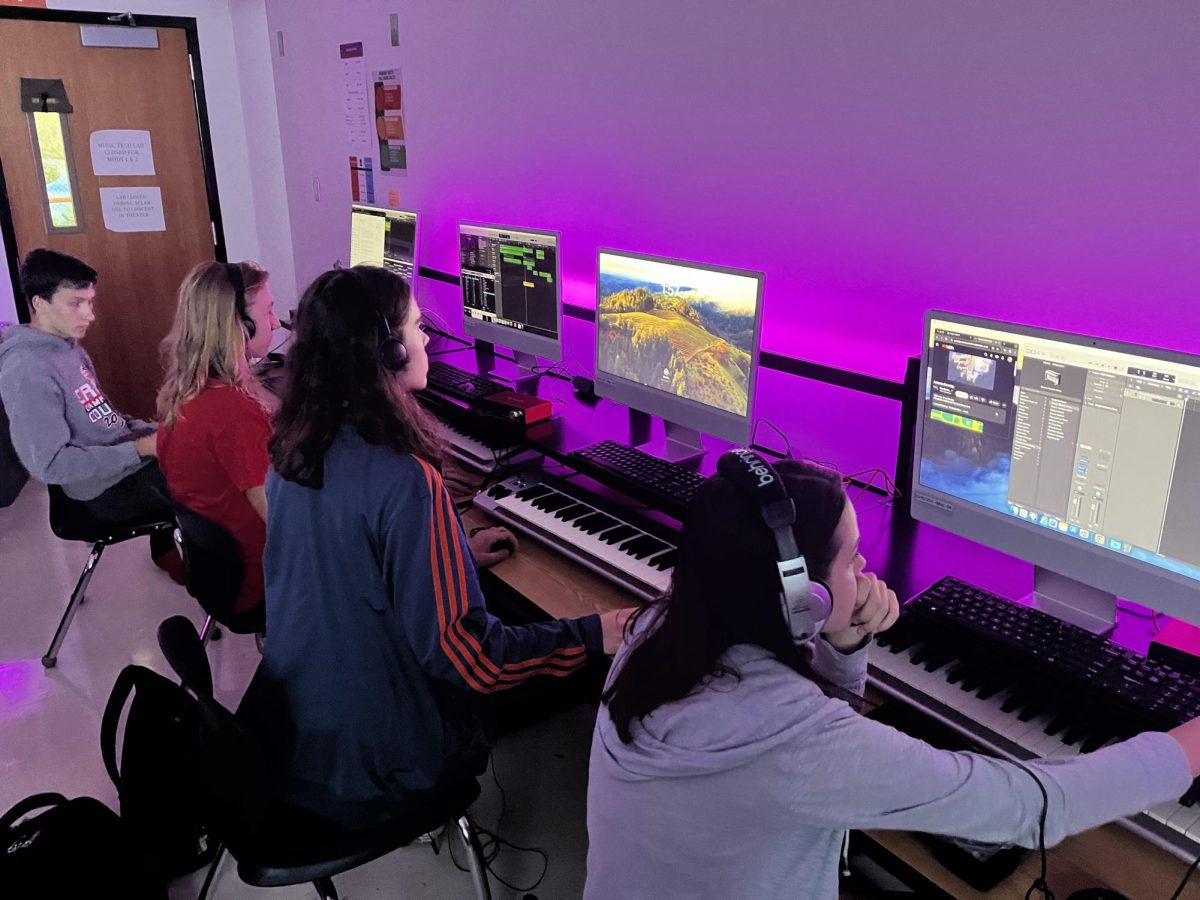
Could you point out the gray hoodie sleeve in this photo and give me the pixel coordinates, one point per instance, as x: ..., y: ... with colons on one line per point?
x: 853, y: 772
x: 41, y: 436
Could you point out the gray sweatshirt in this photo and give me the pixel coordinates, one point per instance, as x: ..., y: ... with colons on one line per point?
x: 746, y: 788
x: 63, y: 427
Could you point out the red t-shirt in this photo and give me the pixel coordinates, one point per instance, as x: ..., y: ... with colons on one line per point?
x: 212, y: 455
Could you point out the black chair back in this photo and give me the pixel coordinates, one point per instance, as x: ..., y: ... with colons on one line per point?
x: 213, y: 569
x: 12, y: 474
x: 234, y: 773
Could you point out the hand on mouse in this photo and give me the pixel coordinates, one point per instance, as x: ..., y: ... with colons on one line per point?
x: 490, y: 545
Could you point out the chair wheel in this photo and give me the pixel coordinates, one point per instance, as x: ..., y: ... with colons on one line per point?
x: 49, y: 662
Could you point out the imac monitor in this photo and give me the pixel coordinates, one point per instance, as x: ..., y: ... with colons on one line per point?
x: 511, y: 289
x: 384, y: 237
x: 1077, y: 454
x: 679, y: 340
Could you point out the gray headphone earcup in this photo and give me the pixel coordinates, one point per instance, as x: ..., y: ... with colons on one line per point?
x: 807, y: 615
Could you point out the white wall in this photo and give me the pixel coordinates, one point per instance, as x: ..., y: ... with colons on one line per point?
x: 244, y: 127
x: 1025, y: 160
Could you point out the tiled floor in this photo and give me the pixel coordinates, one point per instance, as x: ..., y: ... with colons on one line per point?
x: 50, y: 720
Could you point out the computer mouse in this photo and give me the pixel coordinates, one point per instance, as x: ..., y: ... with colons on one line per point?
x: 1097, y: 893
x: 502, y: 544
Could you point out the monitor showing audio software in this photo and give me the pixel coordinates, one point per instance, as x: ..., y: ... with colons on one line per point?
x: 383, y: 237
x: 679, y: 340
x: 1078, y: 454
x: 511, y: 289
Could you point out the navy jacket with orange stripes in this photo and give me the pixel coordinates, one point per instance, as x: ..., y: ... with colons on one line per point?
x: 379, y: 642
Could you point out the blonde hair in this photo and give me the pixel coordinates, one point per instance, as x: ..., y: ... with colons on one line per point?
x: 208, y: 339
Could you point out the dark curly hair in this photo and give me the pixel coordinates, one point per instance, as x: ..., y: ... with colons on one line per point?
x: 333, y: 376
x: 715, y: 602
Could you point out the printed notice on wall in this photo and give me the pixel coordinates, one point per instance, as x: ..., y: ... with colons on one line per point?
x: 356, y: 106
x: 132, y: 209
x: 120, y: 151
x: 389, y: 121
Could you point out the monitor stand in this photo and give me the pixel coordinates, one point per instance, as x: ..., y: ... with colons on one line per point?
x: 678, y: 445
x: 519, y: 371
x: 1072, y: 601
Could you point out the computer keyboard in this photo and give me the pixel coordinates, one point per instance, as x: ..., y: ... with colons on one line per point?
x: 1024, y: 684
x: 451, y: 380
x: 655, y: 477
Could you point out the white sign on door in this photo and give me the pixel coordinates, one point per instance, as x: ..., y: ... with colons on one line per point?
x: 119, y: 151
x: 132, y: 209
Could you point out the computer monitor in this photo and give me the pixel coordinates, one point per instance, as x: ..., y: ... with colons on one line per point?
x: 1077, y: 454
x: 679, y: 340
x: 384, y: 237
x: 511, y: 289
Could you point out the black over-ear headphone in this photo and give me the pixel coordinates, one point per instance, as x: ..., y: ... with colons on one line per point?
x: 233, y: 272
x: 807, y: 602
x: 393, y: 355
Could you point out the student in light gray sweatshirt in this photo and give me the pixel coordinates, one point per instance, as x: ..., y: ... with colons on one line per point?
x: 727, y: 762
x: 63, y: 427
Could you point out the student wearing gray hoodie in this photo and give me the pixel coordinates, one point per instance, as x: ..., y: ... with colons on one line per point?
x: 727, y: 762
x: 63, y: 428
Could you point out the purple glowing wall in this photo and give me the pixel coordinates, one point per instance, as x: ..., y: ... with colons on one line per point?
x: 1023, y: 160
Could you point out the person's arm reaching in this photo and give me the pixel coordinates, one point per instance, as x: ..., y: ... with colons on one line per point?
x: 431, y: 574
x: 42, y: 438
x: 847, y: 771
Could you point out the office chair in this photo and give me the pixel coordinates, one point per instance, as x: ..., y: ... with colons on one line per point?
x: 70, y: 520
x: 276, y: 844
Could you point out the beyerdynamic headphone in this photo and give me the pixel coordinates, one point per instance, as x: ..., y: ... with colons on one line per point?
x: 807, y: 602
x: 233, y: 272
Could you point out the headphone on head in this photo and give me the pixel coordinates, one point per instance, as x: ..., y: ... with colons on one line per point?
x: 807, y: 601
x: 233, y: 271
x: 393, y: 355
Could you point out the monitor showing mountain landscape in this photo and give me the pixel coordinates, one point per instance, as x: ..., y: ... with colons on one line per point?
x: 685, y: 329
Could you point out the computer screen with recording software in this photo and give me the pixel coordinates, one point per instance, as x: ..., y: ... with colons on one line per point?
x: 679, y: 340
x: 1077, y: 454
x: 510, y: 287
x: 383, y: 237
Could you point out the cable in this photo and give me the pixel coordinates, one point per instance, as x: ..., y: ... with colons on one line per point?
x: 787, y: 453
x: 1040, y: 883
x: 1186, y: 876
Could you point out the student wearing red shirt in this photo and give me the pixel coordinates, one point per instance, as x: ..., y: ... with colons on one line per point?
x: 214, y: 414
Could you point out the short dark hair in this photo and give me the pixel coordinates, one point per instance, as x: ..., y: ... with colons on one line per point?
x: 45, y: 271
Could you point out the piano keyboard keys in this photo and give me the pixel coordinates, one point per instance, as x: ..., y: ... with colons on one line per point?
x: 597, y: 538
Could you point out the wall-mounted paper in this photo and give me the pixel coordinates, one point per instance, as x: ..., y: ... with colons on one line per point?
x: 132, y: 209
x: 120, y: 151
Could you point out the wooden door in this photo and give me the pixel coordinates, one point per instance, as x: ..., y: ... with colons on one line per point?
x: 139, y: 272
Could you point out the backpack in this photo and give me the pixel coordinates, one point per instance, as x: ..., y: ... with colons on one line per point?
x: 159, y: 779
x: 75, y: 848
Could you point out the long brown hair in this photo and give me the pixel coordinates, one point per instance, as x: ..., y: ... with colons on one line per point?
x: 208, y: 339
x: 725, y: 592
x: 333, y: 376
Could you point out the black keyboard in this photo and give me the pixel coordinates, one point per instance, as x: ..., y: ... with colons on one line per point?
x: 656, y: 477
x: 1092, y: 689
x: 448, y: 379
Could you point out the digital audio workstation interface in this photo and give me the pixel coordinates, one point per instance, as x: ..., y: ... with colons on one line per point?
x: 1062, y: 434
x: 383, y: 237
x: 510, y: 279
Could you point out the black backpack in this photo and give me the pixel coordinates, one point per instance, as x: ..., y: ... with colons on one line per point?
x: 75, y: 848
x: 159, y: 778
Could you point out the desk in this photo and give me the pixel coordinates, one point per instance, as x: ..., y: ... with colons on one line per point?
x: 1110, y: 856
